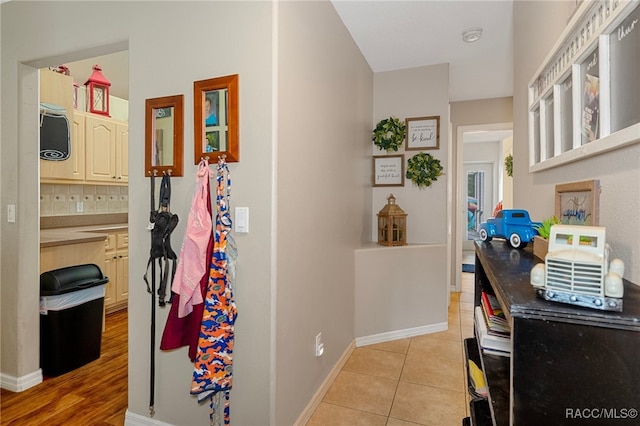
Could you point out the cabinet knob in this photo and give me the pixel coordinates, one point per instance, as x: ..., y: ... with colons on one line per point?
x: 114, y: 257
x: 119, y: 177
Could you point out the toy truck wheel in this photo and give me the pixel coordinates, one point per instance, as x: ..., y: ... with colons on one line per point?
x: 484, y: 236
x: 516, y: 242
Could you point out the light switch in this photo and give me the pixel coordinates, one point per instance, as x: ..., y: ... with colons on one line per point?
x: 242, y: 219
x: 11, y: 213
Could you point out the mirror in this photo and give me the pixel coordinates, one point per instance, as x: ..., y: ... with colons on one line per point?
x: 216, y: 119
x: 164, y: 138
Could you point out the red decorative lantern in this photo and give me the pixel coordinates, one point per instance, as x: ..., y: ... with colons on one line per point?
x: 98, y: 92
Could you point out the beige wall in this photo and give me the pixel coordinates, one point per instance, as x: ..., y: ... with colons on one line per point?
x: 415, y: 92
x: 537, y: 25
x: 324, y: 118
x: 158, y: 67
x: 305, y: 118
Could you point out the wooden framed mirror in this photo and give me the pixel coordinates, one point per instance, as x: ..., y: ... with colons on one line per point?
x: 164, y: 135
x: 215, y: 106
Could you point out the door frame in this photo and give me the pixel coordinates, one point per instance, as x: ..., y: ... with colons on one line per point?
x: 460, y: 206
x: 489, y: 204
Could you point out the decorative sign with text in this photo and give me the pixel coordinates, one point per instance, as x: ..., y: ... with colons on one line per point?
x: 388, y: 170
x: 423, y: 133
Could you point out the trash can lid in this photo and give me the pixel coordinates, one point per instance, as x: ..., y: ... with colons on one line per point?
x: 71, y: 278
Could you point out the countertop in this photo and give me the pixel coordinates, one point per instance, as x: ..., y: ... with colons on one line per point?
x: 78, y: 234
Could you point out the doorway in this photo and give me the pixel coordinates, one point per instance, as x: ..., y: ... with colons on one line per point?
x: 480, y: 199
x: 482, y: 148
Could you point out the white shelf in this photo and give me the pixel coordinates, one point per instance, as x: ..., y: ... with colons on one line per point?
x: 601, y: 45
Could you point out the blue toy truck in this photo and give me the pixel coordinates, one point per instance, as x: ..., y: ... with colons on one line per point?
x: 515, y: 226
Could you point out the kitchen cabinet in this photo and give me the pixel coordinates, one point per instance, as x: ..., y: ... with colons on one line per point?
x: 57, y: 89
x: 116, y: 267
x: 106, y: 144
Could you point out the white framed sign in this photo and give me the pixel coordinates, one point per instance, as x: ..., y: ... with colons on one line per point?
x: 423, y: 133
x: 388, y: 170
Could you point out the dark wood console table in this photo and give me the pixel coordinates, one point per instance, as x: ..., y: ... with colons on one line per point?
x: 568, y: 366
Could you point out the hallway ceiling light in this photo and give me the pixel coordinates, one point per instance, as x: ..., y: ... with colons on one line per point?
x: 472, y: 34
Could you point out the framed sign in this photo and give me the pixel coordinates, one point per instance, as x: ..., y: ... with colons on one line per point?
x: 388, y: 170
x: 423, y: 133
x: 578, y: 203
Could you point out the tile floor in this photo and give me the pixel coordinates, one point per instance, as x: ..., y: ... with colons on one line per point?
x: 407, y: 382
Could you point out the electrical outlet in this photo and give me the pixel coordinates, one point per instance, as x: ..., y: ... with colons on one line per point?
x: 79, y: 207
x: 319, y: 345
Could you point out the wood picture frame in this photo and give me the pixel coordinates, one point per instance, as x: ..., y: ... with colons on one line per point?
x: 164, y: 135
x: 388, y: 170
x: 423, y: 133
x: 216, y: 119
x: 578, y: 203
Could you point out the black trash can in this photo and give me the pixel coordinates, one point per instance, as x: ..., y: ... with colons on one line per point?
x: 71, y: 312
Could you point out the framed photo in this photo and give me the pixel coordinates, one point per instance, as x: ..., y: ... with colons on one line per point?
x: 388, y: 170
x: 578, y: 203
x: 216, y: 119
x: 423, y: 133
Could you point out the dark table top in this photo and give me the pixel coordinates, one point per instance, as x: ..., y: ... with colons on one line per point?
x: 509, y: 269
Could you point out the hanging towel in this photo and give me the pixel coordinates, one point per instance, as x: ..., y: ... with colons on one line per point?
x: 185, y: 331
x: 193, y: 263
x: 213, y: 367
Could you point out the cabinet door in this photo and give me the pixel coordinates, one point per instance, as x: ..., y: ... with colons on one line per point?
x: 57, y: 89
x: 110, y: 270
x: 122, y: 153
x: 122, y: 283
x: 100, y: 149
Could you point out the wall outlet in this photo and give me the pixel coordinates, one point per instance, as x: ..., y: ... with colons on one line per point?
x: 319, y: 345
x: 79, y: 207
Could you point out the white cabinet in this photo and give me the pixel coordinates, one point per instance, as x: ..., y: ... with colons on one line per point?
x: 116, y: 267
x: 106, y: 144
x: 57, y: 89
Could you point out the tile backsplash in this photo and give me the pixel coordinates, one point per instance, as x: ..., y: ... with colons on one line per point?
x: 67, y: 200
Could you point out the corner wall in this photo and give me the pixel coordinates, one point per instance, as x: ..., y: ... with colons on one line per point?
x: 325, y: 91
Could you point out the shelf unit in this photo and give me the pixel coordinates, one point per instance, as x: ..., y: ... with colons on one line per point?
x: 584, y: 99
x: 563, y: 358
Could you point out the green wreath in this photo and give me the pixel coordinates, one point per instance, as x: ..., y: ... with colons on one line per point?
x: 389, y: 134
x: 423, y: 169
x: 508, y: 165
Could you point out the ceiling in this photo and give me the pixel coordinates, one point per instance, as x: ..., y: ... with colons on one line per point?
x: 394, y: 35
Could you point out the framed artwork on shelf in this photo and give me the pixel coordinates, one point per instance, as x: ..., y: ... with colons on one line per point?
x: 423, y: 133
x: 388, y: 170
x: 578, y: 203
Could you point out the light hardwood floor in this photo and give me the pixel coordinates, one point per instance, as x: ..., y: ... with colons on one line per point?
x: 94, y: 394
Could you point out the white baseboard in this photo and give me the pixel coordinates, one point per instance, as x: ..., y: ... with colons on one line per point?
x: 401, y: 334
x: 324, y: 387
x: 133, y: 419
x: 19, y: 384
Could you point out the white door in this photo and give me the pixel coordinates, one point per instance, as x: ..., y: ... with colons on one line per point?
x: 478, y: 188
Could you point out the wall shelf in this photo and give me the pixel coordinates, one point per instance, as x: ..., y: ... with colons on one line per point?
x: 584, y: 100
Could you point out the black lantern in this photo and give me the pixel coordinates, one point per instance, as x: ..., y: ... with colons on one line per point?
x: 392, y: 224
x: 98, y: 92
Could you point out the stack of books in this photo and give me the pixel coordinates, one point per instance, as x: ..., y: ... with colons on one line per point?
x: 492, y: 329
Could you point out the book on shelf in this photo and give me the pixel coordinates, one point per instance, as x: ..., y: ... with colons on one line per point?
x: 494, y: 316
x: 490, y: 343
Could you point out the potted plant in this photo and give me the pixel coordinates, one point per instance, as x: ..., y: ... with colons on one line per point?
x: 541, y: 241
